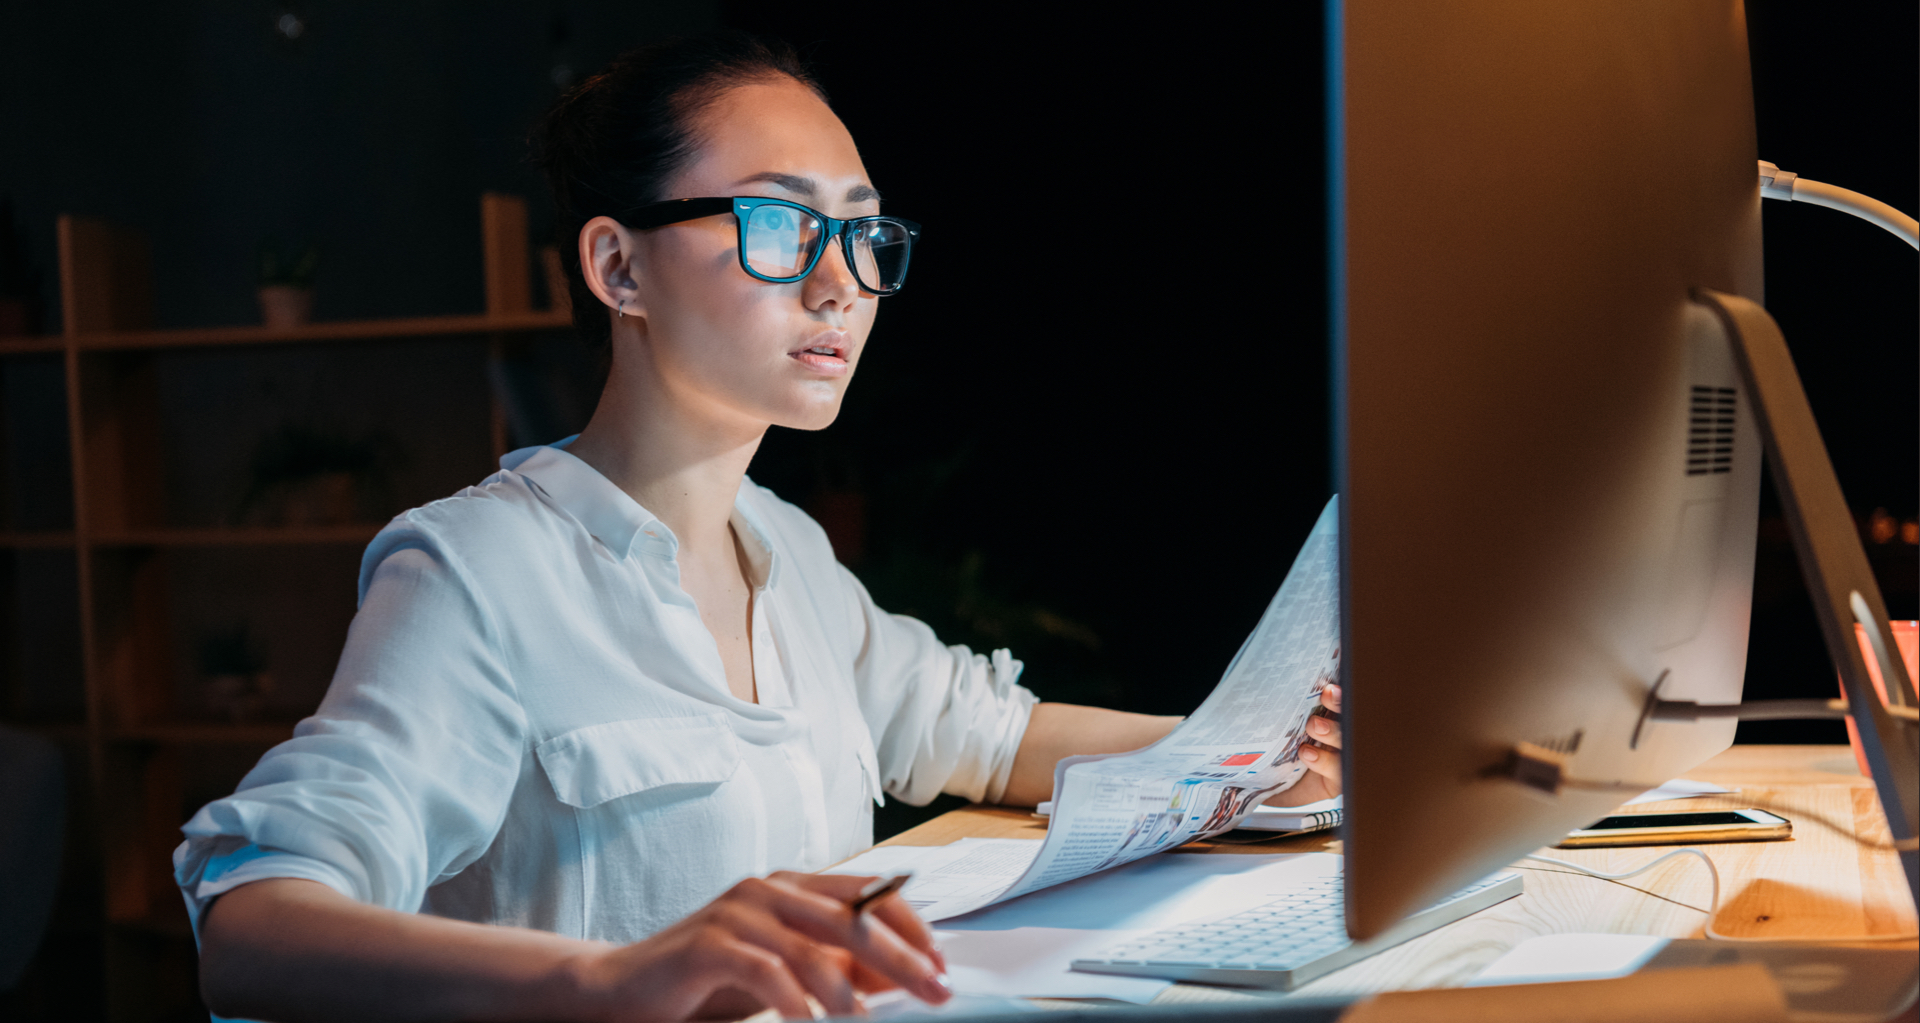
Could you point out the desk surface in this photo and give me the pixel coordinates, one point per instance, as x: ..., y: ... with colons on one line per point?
x: 1837, y: 876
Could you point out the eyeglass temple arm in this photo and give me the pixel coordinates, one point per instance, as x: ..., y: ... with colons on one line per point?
x: 673, y: 211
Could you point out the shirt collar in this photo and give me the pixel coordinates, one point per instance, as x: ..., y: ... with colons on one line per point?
x: 609, y: 513
x: 622, y: 523
x: 763, y: 561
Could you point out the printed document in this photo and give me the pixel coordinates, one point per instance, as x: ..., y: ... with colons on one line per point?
x: 1237, y: 749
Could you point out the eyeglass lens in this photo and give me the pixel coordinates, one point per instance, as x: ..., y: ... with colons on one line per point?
x: 781, y: 240
x: 880, y: 254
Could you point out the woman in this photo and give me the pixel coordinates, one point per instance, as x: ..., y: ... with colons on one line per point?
x: 584, y: 699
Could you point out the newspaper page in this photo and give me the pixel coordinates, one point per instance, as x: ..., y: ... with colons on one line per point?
x: 1240, y: 747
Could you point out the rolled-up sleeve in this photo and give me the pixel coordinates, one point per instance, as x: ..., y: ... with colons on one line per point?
x: 944, y: 719
x: 403, y: 775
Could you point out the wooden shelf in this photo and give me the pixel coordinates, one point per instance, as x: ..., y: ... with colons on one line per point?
x: 38, y: 539
x: 355, y: 534
x: 143, y: 758
x: 344, y: 330
x: 205, y: 733
x: 32, y: 345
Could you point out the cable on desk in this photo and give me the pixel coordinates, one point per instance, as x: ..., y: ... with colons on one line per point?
x: 1713, y: 905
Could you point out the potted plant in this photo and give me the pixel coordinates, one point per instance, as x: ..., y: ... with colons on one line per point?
x: 286, y: 286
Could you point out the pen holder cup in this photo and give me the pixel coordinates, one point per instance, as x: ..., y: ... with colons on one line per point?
x: 1906, y: 635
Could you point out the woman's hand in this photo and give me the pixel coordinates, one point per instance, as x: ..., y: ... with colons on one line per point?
x: 1320, y: 754
x: 770, y: 942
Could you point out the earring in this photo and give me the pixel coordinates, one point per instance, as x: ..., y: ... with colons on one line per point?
x: 622, y: 311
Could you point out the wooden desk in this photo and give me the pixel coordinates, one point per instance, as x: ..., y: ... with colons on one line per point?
x: 1838, y: 875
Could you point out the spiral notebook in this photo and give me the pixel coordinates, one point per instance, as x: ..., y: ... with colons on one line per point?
x: 1308, y: 817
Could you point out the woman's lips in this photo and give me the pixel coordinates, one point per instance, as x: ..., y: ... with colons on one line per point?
x: 826, y: 354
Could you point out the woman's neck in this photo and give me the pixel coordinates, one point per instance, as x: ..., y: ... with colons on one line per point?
x: 682, y: 466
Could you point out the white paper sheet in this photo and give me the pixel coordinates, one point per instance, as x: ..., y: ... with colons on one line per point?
x: 949, y: 880
x: 1557, y: 957
x: 1025, y: 948
x: 1032, y: 962
x: 897, y: 1004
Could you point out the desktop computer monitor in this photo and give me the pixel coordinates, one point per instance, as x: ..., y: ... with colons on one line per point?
x: 1548, y: 473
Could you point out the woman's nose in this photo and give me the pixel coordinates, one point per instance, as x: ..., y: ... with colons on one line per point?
x: 832, y: 280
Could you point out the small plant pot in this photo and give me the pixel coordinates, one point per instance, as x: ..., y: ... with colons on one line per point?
x: 284, y: 305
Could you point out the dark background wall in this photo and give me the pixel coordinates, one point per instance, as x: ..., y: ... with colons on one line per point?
x: 369, y: 133
x: 1094, y: 428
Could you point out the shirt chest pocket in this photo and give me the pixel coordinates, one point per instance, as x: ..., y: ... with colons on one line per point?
x: 589, y: 766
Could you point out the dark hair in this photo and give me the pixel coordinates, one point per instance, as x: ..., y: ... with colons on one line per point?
x: 615, y: 140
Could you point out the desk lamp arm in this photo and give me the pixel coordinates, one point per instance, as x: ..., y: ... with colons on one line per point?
x: 1786, y: 185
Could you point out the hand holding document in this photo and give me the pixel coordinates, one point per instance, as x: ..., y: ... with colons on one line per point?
x: 1238, y: 748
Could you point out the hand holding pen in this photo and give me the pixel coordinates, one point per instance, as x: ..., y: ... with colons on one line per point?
x: 880, y: 888
x: 779, y: 941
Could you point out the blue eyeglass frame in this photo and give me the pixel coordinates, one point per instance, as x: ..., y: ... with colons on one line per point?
x: 674, y: 211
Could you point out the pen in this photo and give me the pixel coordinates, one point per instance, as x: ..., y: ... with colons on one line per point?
x: 878, y: 889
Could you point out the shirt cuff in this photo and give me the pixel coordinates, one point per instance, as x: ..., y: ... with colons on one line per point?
x: 230, y: 864
x: 1016, y: 713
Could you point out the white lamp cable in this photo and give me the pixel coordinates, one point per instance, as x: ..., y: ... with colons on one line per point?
x: 1778, y: 184
x: 1713, y: 906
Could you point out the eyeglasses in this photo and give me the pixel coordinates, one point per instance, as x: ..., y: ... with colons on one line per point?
x: 781, y: 241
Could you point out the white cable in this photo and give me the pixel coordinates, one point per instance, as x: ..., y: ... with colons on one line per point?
x: 1778, y: 184
x: 1713, y: 907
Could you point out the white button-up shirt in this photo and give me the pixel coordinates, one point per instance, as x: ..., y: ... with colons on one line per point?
x: 530, y: 724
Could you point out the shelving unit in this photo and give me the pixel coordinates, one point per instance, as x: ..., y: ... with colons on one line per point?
x: 136, y: 743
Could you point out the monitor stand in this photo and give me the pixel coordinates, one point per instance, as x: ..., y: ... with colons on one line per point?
x: 1835, y: 565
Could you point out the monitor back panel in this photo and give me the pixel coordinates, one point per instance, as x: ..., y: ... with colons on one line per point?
x: 1534, y: 529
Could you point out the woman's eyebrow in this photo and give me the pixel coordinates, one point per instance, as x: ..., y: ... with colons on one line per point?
x: 805, y: 186
x: 791, y: 182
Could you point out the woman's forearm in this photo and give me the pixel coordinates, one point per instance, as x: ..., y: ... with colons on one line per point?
x: 1063, y: 730
x: 293, y: 950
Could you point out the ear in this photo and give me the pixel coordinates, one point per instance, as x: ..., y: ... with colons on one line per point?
x: 607, y: 259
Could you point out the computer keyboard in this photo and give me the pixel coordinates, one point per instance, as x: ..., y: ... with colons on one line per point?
x: 1284, y: 942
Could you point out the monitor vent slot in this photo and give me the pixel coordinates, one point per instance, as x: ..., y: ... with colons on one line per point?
x: 1710, y: 430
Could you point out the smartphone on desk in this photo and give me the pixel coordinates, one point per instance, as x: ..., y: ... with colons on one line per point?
x: 1683, y: 828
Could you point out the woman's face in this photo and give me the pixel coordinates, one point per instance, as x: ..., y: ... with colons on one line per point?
x: 738, y: 348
